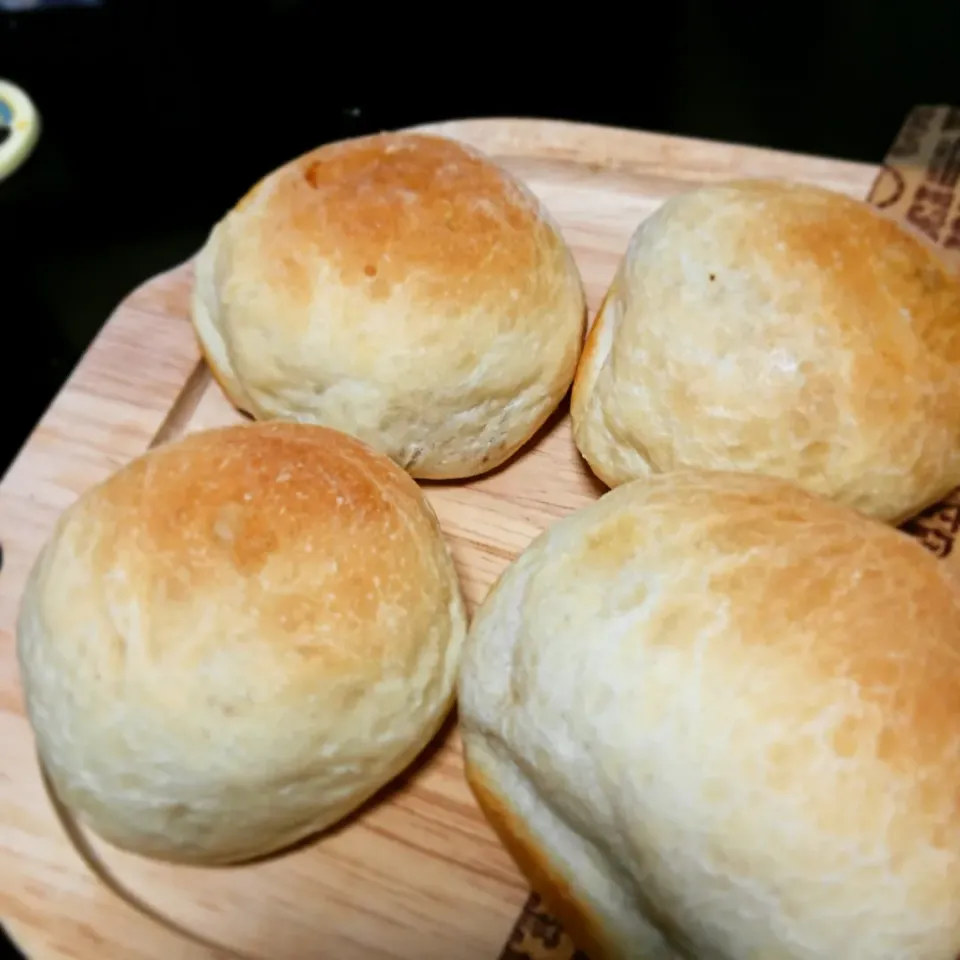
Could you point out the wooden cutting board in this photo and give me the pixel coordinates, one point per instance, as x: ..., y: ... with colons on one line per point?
x: 418, y: 875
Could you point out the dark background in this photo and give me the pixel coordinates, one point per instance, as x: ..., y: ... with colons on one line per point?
x: 158, y: 116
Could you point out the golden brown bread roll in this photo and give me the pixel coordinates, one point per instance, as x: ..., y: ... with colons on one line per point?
x: 716, y: 717
x: 236, y: 639
x: 401, y: 288
x: 778, y: 329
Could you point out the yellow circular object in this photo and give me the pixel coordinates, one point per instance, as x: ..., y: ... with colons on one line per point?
x: 19, y: 127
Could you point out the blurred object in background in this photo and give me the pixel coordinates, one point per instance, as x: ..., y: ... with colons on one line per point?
x: 16, y: 6
x: 19, y: 127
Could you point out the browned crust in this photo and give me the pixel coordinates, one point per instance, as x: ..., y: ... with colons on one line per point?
x: 382, y: 208
x: 587, y: 354
x: 580, y: 923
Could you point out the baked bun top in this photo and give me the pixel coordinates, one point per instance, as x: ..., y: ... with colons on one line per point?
x: 714, y: 716
x: 236, y: 639
x: 402, y: 288
x: 780, y: 329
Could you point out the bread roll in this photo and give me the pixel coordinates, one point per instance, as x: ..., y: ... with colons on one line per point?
x: 716, y: 717
x: 778, y: 329
x: 236, y: 639
x: 401, y: 288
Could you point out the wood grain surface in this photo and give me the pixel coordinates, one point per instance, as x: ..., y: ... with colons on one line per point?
x: 417, y: 874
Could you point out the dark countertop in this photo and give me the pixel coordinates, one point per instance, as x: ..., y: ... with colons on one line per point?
x: 157, y: 116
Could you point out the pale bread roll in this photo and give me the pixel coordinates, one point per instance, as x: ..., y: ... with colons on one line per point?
x: 236, y: 639
x: 402, y: 288
x: 715, y: 717
x: 778, y: 329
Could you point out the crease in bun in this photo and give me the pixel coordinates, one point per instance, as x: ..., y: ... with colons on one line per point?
x: 781, y: 329
x: 715, y: 716
x: 238, y: 638
x: 402, y: 288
